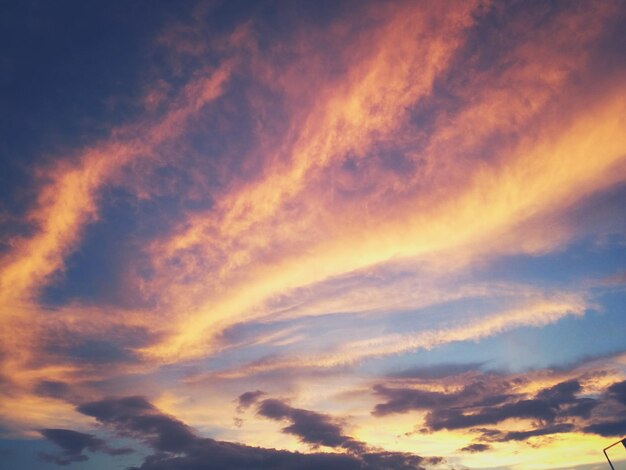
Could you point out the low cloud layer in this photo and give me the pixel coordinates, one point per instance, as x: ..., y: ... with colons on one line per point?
x: 490, y: 399
x: 73, y: 445
x: 318, y: 429
x: 177, y: 446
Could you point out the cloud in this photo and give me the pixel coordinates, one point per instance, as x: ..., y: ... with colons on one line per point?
x: 474, y: 448
x: 374, y: 97
x: 546, y: 406
x: 608, y: 428
x: 401, y: 400
x: 311, y: 427
x: 178, y: 446
x: 524, y: 435
x: 73, y: 444
x: 485, y: 399
x: 69, y: 200
x: 523, y: 409
x: 495, y: 435
x: 319, y: 429
x: 214, y: 455
x: 137, y: 417
x: 296, y: 225
x: 534, y: 311
x: 249, y: 398
x: 564, y: 392
x: 617, y: 391
x: 364, y: 163
x: 69, y: 197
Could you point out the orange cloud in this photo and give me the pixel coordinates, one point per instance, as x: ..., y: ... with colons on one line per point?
x: 67, y: 202
x: 552, y: 170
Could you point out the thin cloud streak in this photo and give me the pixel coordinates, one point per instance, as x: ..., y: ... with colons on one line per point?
x: 536, y: 314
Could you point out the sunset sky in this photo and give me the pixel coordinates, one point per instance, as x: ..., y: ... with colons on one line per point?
x: 301, y: 235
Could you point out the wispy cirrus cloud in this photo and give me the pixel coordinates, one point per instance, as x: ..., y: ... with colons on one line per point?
x: 524, y: 182
x: 535, y: 312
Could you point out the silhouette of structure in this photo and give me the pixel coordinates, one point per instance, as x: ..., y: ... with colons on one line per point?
x: 622, y: 441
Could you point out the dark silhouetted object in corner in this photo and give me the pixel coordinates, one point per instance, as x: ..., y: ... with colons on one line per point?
x: 623, y: 441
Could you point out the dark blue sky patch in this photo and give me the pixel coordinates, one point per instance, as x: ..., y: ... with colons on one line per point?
x: 104, y: 269
x: 583, y: 262
x: 53, y: 389
x: 113, y: 346
x: 63, y: 64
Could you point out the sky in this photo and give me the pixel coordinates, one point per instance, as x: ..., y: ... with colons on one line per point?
x: 297, y: 235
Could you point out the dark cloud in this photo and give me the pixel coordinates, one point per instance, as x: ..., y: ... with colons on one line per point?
x: 608, y: 428
x: 249, y: 398
x: 494, y: 435
x: 311, y: 427
x: 73, y: 444
x: 137, y: 417
x: 320, y: 429
x: 459, y: 419
x: 63, y: 458
x: 617, y: 391
x: 564, y: 392
x: 487, y: 433
x: 483, y: 403
x: 523, y: 435
x: 474, y: 448
x: 611, y: 421
x: 177, y: 446
x: 396, y: 460
x: 208, y: 454
x: 212, y: 455
x: 401, y: 400
x: 581, y: 408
